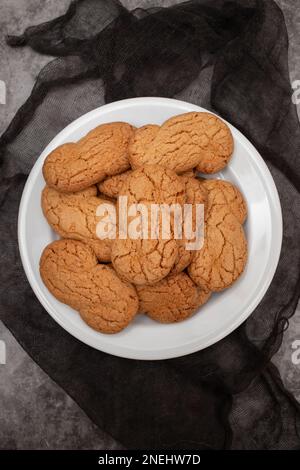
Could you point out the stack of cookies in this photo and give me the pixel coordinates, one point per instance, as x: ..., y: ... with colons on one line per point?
x: 109, y: 280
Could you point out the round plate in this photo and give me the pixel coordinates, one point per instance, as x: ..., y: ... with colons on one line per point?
x: 225, y: 311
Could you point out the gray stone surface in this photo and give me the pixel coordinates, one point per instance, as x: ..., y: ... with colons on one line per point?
x: 37, y: 414
x: 34, y: 411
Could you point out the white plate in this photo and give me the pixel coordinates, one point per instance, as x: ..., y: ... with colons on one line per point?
x: 144, y: 338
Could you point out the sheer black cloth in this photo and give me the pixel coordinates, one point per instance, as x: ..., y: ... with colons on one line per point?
x: 230, y: 57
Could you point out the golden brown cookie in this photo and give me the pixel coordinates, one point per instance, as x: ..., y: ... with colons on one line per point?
x: 183, y: 259
x: 74, y: 216
x: 102, y: 152
x: 139, y: 143
x: 223, y: 192
x: 153, y: 184
x: 194, y: 195
x: 70, y: 271
x: 189, y: 140
x: 216, y: 143
x: 111, y: 186
x: 173, y: 299
x: 195, y: 191
x: 144, y: 261
x: 223, y: 256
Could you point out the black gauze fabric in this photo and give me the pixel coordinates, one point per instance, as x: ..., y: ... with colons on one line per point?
x: 230, y: 57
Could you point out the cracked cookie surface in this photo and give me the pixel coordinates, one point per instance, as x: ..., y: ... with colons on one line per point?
x: 184, y: 257
x: 144, y: 261
x: 223, y: 192
x: 112, y: 186
x: 102, y: 152
x: 173, y: 299
x: 222, y: 259
x: 74, y: 216
x: 194, y: 195
x: 189, y: 140
x: 195, y: 191
x: 153, y: 184
x: 70, y: 271
x: 139, y: 144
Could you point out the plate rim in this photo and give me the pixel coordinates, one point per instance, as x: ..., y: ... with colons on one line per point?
x: 172, y: 352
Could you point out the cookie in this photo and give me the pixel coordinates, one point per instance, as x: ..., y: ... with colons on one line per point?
x: 154, y: 184
x: 139, y: 143
x: 223, y: 192
x: 189, y: 140
x: 102, y: 152
x: 173, y: 299
x: 143, y: 261
x: 195, y: 191
x: 70, y: 271
x: 74, y: 216
x: 222, y: 259
x: 146, y: 261
x: 111, y: 186
x: 195, y: 194
x: 183, y: 259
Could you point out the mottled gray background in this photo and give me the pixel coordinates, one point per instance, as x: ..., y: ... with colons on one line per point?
x: 34, y: 412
